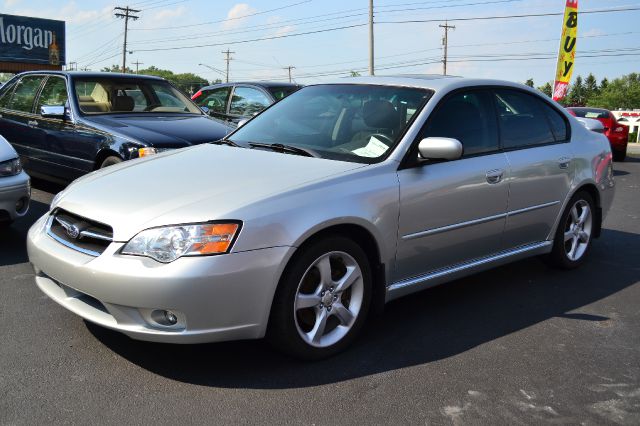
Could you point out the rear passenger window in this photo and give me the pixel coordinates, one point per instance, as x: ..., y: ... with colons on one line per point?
x: 524, y: 120
x: 468, y: 117
x: 557, y: 122
x: 5, y: 95
x: 25, y: 93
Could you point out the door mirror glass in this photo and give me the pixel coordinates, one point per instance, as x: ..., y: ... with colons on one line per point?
x: 52, y: 111
x: 435, y: 148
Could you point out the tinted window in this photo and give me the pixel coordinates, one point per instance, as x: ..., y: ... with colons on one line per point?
x: 25, y: 93
x: 5, y: 96
x: 468, y: 117
x: 215, y: 100
x: 557, y: 122
x: 247, y: 101
x: 523, y: 121
x: 54, y: 92
x: 282, y: 92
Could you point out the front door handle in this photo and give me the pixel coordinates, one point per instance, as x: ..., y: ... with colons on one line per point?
x: 495, y: 176
x: 564, y: 162
x: 32, y: 123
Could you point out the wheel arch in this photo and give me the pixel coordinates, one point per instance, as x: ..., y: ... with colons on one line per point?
x: 590, y: 188
x: 102, y: 155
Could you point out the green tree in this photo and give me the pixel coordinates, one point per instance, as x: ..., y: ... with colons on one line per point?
x: 590, y: 87
x: 115, y: 68
x: 623, y: 92
x: 604, y: 83
x: 354, y: 74
x: 187, y: 82
x: 577, y: 93
x: 547, y: 89
x: 529, y: 82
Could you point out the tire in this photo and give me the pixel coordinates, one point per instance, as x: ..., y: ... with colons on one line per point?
x: 619, y: 156
x: 313, y: 317
x: 110, y: 161
x: 575, y: 233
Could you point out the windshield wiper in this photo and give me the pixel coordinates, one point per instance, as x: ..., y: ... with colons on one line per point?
x: 228, y: 142
x: 278, y: 147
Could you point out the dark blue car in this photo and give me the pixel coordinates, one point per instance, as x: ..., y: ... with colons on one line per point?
x: 66, y: 124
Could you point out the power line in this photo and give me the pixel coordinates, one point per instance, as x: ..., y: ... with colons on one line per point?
x: 126, y: 13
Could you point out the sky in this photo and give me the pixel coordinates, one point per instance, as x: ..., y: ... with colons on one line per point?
x: 269, y: 35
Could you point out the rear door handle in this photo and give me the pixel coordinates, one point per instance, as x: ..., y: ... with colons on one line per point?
x: 494, y: 176
x: 32, y: 123
x: 564, y: 162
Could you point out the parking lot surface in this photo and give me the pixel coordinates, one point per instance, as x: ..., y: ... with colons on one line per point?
x: 521, y: 344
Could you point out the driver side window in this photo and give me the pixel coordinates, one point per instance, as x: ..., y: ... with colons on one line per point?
x: 468, y: 117
x: 54, y: 93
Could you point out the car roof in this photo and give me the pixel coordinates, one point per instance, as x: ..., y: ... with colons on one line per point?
x: 93, y: 74
x: 434, y: 82
x: 264, y: 84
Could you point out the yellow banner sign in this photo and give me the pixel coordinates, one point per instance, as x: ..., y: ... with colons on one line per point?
x: 567, y: 54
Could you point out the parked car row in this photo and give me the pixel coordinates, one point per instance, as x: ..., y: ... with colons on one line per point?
x: 617, y: 133
x: 298, y: 224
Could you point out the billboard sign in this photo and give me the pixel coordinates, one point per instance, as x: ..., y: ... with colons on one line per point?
x: 32, y: 40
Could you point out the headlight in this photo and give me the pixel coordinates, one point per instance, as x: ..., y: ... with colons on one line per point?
x: 169, y: 243
x: 10, y: 168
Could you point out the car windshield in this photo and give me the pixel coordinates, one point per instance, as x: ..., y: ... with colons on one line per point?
x: 590, y: 113
x: 360, y: 123
x: 282, y: 92
x: 130, y: 95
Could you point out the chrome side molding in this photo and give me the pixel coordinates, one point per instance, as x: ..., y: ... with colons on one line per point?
x: 410, y: 285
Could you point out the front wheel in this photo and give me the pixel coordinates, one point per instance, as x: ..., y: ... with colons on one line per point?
x: 110, y: 161
x: 575, y: 232
x: 322, y: 299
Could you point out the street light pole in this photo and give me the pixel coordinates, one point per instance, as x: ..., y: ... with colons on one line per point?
x: 371, y: 67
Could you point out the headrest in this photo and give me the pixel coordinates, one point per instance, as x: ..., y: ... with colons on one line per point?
x: 123, y: 103
x: 380, y: 114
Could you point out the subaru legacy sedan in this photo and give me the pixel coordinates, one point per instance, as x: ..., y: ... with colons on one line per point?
x: 66, y: 124
x: 328, y: 204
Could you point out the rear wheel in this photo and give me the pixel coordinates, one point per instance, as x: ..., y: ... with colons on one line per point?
x: 619, y: 155
x: 322, y: 300
x: 575, y: 232
x: 110, y: 161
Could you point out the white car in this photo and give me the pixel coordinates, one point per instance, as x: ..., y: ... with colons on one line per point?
x: 15, y: 185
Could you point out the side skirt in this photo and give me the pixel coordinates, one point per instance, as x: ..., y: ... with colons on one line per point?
x: 421, y: 282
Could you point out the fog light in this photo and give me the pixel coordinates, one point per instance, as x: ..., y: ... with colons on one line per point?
x: 164, y: 317
x: 22, y: 204
x: 170, y: 317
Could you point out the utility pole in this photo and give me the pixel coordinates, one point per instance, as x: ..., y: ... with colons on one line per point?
x: 228, y: 58
x: 371, y: 68
x: 137, y: 64
x: 445, y: 43
x: 289, y: 68
x: 125, y: 13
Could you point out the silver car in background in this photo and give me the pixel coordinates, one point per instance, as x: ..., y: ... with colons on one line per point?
x: 15, y: 185
x: 328, y: 204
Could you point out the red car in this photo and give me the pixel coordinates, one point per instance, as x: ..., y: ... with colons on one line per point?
x: 618, y: 134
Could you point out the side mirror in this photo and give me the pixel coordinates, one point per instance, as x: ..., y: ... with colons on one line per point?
x: 242, y: 122
x: 440, y: 149
x: 52, y: 111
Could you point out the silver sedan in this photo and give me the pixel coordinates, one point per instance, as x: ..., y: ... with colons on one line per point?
x: 15, y: 186
x: 322, y: 208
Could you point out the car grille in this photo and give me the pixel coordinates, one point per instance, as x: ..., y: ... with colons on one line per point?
x: 81, y: 234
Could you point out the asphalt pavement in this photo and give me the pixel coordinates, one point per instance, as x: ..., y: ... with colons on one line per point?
x: 521, y: 344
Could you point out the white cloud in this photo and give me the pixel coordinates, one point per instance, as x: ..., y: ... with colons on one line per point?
x: 284, y: 30
x: 10, y: 3
x: 165, y: 14
x: 237, y: 15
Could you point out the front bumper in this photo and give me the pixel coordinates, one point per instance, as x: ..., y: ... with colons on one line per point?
x: 15, y: 193
x: 215, y: 298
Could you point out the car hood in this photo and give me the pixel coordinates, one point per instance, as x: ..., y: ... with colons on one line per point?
x: 191, y: 185
x: 164, y: 131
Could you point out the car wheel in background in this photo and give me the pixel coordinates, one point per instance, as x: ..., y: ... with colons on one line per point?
x: 575, y: 232
x: 619, y: 155
x: 110, y: 161
x: 322, y: 300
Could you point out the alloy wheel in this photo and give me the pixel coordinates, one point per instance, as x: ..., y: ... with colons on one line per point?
x: 328, y: 299
x: 578, y: 229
